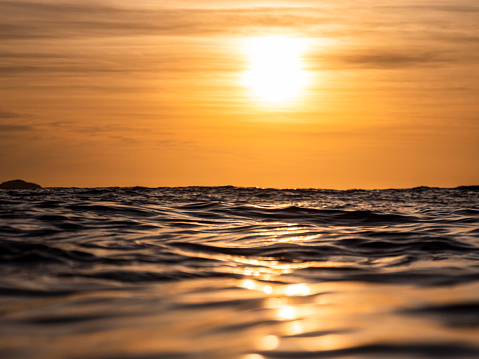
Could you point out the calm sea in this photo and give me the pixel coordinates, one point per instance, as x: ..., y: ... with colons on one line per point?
x: 248, y: 273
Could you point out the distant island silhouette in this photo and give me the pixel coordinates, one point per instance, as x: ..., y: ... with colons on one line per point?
x: 19, y: 184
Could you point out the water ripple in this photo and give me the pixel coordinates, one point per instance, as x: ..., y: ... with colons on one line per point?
x: 247, y: 273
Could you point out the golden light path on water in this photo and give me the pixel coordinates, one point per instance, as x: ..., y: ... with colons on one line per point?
x: 276, y: 72
x: 329, y: 316
x: 335, y: 316
x: 281, y: 315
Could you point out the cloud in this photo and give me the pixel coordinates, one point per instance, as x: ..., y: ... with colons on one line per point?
x: 15, y: 128
x: 387, y: 60
x: 353, y: 27
x: 62, y: 20
x: 4, y: 114
x: 83, y: 20
x: 15, y: 70
x: 30, y: 55
x: 437, y: 7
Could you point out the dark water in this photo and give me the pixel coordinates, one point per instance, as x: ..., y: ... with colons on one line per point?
x: 239, y: 273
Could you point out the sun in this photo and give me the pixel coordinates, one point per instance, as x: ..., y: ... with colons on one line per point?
x: 276, y: 71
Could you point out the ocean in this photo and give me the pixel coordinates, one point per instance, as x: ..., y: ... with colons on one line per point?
x: 231, y: 272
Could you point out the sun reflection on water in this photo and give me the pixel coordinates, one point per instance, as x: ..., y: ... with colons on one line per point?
x: 293, y: 328
x: 269, y: 342
x: 297, y: 289
x: 287, y: 313
x: 248, y: 284
x: 253, y: 356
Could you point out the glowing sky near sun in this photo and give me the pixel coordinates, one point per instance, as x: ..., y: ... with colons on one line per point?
x: 334, y: 94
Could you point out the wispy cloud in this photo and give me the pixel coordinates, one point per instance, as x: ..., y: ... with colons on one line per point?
x: 457, y: 8
x: 15, y: 128
x: 379, y: 59
x: 62, y: 20
x: 67, y: 20
x: 7, y: 115
x: 351, y: 23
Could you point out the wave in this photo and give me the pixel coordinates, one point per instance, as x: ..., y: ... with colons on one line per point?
x: 227, y: 272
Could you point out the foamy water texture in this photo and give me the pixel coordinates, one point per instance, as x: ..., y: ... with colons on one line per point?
x: 243, y: 273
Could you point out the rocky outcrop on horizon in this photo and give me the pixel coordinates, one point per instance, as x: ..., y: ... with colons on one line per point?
x: 19, y: 184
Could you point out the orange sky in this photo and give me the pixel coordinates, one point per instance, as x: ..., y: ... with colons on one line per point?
x: 122, y: 93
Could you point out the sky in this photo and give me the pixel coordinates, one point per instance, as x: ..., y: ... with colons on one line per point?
x: 153, y: 93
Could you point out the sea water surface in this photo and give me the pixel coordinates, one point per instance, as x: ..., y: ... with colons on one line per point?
x: 248, y: 273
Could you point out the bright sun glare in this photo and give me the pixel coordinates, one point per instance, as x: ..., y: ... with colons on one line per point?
x: 276, y: 71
